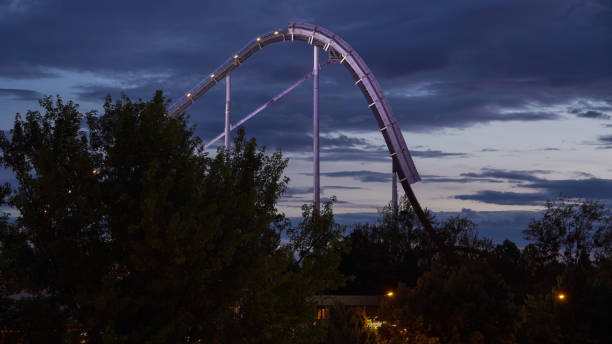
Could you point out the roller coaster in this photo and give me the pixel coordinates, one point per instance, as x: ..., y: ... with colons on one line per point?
x: 339, y: 52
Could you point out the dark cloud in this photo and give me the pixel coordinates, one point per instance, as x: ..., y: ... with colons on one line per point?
x: 514, y: 176
x: 362, y: 176
x: 294, y: 191
x: 19, y: 94
x: 605, y: 141
x: 593, y: 114
x: 436, y: 154
x: 440, y: 179
x: 21, y: 71
x: 342, y: 187
x: 303, y: 192
x: 589, y: 188
x: 506, y: 198
x: 454, y: 64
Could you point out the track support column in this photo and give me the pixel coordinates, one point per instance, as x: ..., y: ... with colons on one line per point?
x: 228, y: 108
x: 315, y: 129
x: 393, y: 189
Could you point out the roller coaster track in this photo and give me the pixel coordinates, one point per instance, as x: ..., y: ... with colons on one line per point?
x: 340, y: 52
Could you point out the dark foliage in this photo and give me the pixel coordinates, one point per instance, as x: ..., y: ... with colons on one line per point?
x: 127, y: 231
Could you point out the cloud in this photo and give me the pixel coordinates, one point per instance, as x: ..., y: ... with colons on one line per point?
x: 544, y: 189
x: 506, y: 198
x: 528, y: 175
x: 605, y: 141
x: 21, y: 71
x: 362, y: 176
x: 342, y: 187
x: 593, y: 114
x: 436, y: 154
x: 19, y: 94
x: 294, y: 191
x: 591, y: 188
x: 452, y: 46
x: 440, y: 179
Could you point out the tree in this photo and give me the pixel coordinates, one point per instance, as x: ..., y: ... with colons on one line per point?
x: 574, y: 231
x: 128, y: 231
x: 468, y: 304
x: 387, y: 252
x: 348, y: 325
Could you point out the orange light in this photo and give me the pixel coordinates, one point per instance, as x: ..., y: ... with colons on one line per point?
x: 390, y: 294
x: 561, y: 296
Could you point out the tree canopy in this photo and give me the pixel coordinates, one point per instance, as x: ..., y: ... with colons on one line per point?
x: 128, y: 231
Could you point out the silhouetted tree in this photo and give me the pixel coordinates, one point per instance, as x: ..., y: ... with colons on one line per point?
x: 468, y: 304
x: 127, y: 230
x: 570, y: 255
x: 383, y: 254
x: 348, y: 325
x: 573, y: 231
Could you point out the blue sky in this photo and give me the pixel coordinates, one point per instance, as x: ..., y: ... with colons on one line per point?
x: 504, y: 104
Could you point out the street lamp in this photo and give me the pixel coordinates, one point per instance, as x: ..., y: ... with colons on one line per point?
x: 561, y: 297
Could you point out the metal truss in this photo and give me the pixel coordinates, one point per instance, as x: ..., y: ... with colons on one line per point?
x: 340, y: 52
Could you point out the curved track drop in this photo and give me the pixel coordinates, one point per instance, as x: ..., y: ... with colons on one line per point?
x: 341, y: 52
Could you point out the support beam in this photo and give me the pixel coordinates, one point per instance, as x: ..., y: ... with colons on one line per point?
x: 264, y: 106
x: 228, y: 107
x: 393, y: 188
x: 315, y: 129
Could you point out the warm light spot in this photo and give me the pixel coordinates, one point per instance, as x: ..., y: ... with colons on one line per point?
x: 276, y: 32
x: 188, y: 94
x: 389, y: 294
x: 561, y: 296
x: 258, y: 39
x: 69, y: 192
x: 235, y: 56
x: 94, y: 172
x: 212, y: 75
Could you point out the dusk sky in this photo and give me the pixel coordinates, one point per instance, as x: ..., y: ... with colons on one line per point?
x: 503, y: 104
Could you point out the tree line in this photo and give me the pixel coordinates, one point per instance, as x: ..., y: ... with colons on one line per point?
x: 124, y: 230
x: 452, y: 286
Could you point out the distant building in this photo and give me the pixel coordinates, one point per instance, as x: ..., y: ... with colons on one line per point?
x: 369, y: 304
